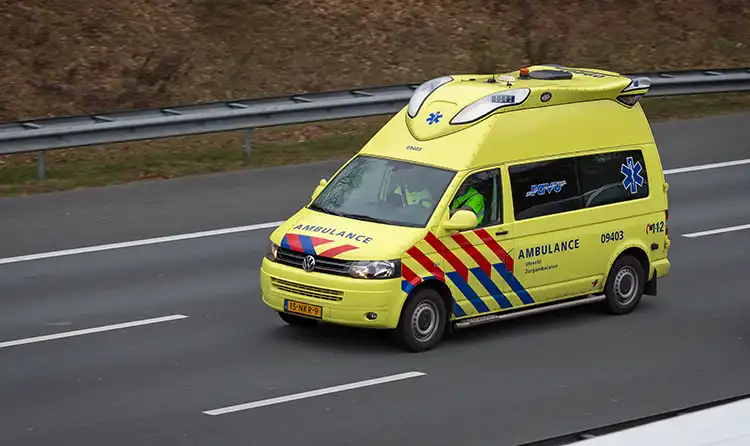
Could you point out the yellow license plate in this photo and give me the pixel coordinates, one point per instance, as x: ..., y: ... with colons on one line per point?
x: 306, y: 309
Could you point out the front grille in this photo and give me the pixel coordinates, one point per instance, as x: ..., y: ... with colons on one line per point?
x: 324, y: 265
x: 307, y: 290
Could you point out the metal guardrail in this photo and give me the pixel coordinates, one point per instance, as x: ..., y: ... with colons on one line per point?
x: 132, y: 125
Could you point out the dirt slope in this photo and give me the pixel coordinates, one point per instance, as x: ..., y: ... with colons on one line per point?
x: 77, y: 56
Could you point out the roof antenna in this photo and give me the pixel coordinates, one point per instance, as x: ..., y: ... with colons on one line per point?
x: 508, y: 80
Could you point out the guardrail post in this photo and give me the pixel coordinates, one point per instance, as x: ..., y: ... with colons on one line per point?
x: 248, y: 142
x: 40, y: 171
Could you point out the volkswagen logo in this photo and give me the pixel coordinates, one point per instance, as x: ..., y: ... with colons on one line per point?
x: 308, y: 264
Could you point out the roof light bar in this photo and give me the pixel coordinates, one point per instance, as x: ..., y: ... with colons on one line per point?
x: 424, y: 90
x: 488, y: 104
x: 638, y: 83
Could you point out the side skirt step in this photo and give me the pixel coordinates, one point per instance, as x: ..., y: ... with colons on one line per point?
x: 485, y: 319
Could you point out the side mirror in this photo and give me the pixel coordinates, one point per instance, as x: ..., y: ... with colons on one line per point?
x: 462, y: 220
x: 321, y: 185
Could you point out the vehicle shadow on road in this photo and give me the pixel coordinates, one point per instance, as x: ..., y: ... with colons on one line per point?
x: 335, y: 338
x: 549, y: 322
x: 360, y: 341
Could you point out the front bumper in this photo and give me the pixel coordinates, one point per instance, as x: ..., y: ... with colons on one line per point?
x: 345, y: 301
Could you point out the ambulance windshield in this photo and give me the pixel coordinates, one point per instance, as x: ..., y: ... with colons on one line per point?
x: 384, y: 191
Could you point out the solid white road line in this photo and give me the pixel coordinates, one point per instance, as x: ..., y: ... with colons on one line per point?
x: 717, y: 231
x: 86, y: 331
x: 149, y: 241
x: 313, y: 393
x: 174, y: 238
x: 706, y: 166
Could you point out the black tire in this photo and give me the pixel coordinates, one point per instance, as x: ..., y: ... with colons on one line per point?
x: 625, y: 285
x: 425, y: 312
x: 297, y: 321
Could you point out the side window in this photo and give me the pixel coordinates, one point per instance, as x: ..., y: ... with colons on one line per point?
x: 481, y: 193
x: 544, y: 188
x: 612, y: 177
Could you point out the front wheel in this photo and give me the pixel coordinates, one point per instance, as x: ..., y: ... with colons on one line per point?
x: 423, y: 321
x: 625, y: 284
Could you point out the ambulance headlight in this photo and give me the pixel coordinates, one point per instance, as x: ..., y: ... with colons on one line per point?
x: 424, y: 90
x: 488, y: 104
x: 379, y: 269
x: 272, y: 252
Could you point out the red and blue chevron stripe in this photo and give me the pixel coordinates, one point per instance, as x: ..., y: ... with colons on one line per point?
x: 309, y: 245
x: 460, y: 274
x: 412, y: 279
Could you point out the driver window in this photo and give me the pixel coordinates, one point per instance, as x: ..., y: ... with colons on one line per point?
x: 481, y: 193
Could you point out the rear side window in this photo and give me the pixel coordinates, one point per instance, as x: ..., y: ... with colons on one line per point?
x: 544, y: 188
x: 612, y: 177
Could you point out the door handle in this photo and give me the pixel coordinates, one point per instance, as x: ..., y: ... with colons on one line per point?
x: 501, y: 232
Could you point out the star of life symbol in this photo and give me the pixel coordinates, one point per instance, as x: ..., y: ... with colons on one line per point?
x: 632, y: 172
x: 434, y: 118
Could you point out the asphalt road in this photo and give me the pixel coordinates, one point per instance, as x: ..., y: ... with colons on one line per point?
x: 500, y: 384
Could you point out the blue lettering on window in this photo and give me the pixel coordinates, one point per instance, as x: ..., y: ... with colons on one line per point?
x: 546, y: 188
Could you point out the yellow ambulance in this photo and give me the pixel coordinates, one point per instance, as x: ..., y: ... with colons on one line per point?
x: 486, y: 197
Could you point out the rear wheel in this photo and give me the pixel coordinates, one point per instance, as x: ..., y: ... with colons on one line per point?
x: 297, y: 321
x: 423, y: 321
x: 625, y: 284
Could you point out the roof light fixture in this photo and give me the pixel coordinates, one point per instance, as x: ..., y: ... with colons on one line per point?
x: 423, y: 91
x: 490, y: 103
x: 629, y: 99
x: 638, y: 83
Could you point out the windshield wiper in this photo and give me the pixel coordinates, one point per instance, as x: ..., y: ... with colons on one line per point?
x: 364, y: 217
x: 315, y: 207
